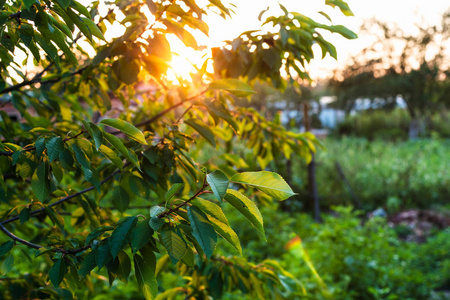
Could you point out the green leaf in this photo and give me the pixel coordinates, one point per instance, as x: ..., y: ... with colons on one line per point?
x: 218, y: 182
x: 111, y: 155
x: 64, y: 3
x: 124, y: 269
x: 103, y: 254
x: 145, y: 275
x: 140, y: 235
x: 7, y: 265
x: 120, y: 199
x: 173, y: 242
x: 120, y: 236
x: 119, y: 146
x: 96, y: 233
x: 28, y: 3
x: 247, y: 208
x: 268, y: 182
x: 95, y: 31
x: 88, y: 263
x: 202, y: 230
x: 95, y: 133
x: 172, y: 191
x: 55, y: 146
x: 6, y: 247
x: 57, y: 272
x: 40, y: 183
x: 219, y: 221
x: 204, y: 131
x: 126, y: 128
x: 343, y: 6
x: 234, y: 86
x: 126, y: 71
x: 155, y: 222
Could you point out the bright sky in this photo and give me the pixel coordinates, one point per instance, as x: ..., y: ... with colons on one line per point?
x: 406, y: 13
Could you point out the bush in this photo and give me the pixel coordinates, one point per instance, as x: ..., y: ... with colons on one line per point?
x: 392, y: 126
x: 414, y: 173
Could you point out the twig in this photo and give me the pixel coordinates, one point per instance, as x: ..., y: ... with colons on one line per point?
x: 176, y: 208
x: 66, y: 198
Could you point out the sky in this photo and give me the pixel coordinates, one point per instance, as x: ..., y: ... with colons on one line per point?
x: 405, y: 13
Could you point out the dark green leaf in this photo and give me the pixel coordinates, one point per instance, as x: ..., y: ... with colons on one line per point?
x: 6, y: 247
x: 88, y: 264
x: 140, y: 235
x: 124, y: 269
x: 57, y: 272
x: 218, y: 182
x: 121, y: 235
x: 173, y: 242
x: 120, y: 199
x: 40, y: 182
x: 202, y: 230
x: 96, y: 233
x: 219, y: 221
x: 145, y: 275
x: 55, y: 146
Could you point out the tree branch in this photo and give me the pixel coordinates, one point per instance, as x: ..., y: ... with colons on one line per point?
x: 36, y: 79
x: 176, y: 208
x: 68, y: 197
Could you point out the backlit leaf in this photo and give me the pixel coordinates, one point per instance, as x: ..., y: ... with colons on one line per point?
x: 145, y: 275
x: 126, y: 128
x: 268, y: 182
x: 203, y: 130
x: 247, y: 208
x: 234, y: 86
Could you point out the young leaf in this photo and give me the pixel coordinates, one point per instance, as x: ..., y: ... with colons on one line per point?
x: 218, y: 182
x: 126, y: 128
x: 145, y: 275
x: 57, y: 272
x: 234, y: 86
x: 202, y: 130
x: 268, y: 182
x: 120, y: 236
x: 246, y: 207
x: 172, y: 191
x: 95, y: 133
x: 173, y: 242
x: 202, y: 230
x: 95, y: 31
x: 118, y: 144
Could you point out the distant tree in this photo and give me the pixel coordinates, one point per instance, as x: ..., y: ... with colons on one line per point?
x: 414, y: 67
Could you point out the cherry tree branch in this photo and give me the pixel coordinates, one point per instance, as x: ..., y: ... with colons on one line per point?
x: 62, y: 200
